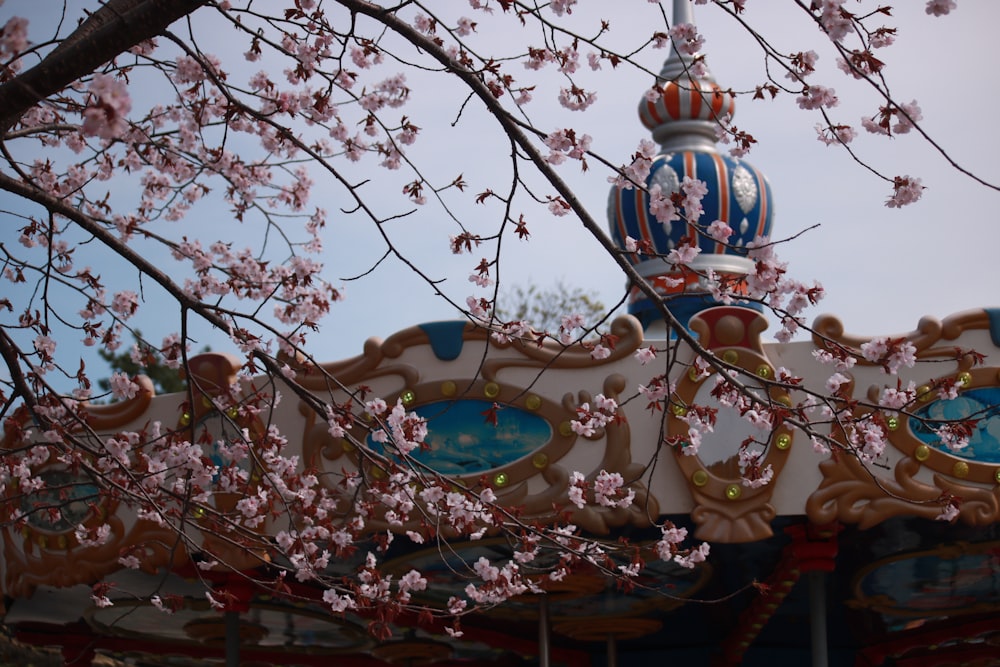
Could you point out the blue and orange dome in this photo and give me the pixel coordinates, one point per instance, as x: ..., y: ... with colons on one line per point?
x: 683, y: 119
x: 738, y: 194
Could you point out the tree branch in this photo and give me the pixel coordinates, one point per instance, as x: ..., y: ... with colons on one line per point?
x: 113, y: 29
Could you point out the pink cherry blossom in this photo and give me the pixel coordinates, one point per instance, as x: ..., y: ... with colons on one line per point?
x: 891, y: 354
x: 834, y: 20
x: 600, y: 352
x: 558, y: 207
x: 683, y: 255
x: 638, y: 171
x: 466, y: 27
x: 101, y: 601
x: 13, y: 42
x: 121, y: 184
x: 817, y: 97
x: 835, y: 134
x: 949, y: 512
x: 720, y: 231
x: 661, y: 206
x: 644, y: 355
x: 560, y: 7
x: 804, y: 64
x: 123, y: 387
x: 110, y: 103
x: 686, y: 38
x: 906, y: 116
x: 45, y: 346
x: 125, y: 303
x: 694, y: 556
x: 896, y: 398
x: 694, y: 190
x: 836, y: 381
x: 940, y: 7
x: 576, y: 99
x: 955, y: 435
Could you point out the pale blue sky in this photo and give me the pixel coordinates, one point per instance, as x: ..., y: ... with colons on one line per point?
x: 883, y: 269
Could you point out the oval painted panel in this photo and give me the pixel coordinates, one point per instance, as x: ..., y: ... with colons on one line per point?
x: 461, y: 442
x: 63, y: 504
x: 983, y: 404
x: 934, y: 583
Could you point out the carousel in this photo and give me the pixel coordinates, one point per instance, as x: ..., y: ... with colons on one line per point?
x: 834, y: 562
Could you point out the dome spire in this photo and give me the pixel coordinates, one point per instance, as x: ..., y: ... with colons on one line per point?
x: 691, y: 104
x: 678, y: 62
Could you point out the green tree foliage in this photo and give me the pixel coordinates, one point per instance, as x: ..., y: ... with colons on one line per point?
x: 146, y: 361
x: 543, y: 307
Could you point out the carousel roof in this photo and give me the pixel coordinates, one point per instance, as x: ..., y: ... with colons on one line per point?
x: 854, y: 547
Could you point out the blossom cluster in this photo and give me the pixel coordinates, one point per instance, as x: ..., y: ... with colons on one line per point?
x: 590, y: 421
x: 608, y: 489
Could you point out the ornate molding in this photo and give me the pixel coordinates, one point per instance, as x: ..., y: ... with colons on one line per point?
x: 510, y: 475
x: 725, y: 509
x: 40, y: 546
x: 119, y: 413
x: 853, y: 492
x: 510, y: 480
x: 929, y: 332
x: 35, y: 558
x: 447, y: 340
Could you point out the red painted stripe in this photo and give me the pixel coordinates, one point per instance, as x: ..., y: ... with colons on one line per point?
x: 721, y: 174
x: 694, y: 94
x: 642, y: 208
x: 620, y: 222
x: 762, y: 198
x: 671, y: 100
x: 690, y: 167
x: 717, y: 99
x: 653, y: 114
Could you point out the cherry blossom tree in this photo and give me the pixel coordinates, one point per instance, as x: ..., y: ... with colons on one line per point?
x: 199, y: 158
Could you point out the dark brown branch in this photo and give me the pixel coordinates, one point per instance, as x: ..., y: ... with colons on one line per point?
x: 113, y: 29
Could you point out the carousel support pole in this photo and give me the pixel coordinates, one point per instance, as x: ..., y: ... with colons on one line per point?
x: 232, y: 619
x: 237, y: 592
x: 814, y: 549
x: 817, y: 617
x: 612, y: 651
x: 543, y: 631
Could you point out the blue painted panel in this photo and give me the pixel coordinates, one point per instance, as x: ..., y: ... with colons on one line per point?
x: 994, y: 315
x: 461, y: 442
x: 445, y: 338
x: 64, y: 503
x: 983, y: 404
x: 937, y: 584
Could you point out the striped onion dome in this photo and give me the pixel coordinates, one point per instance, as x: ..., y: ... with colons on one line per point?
x: 685, y: 99
x: 683, y: 120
